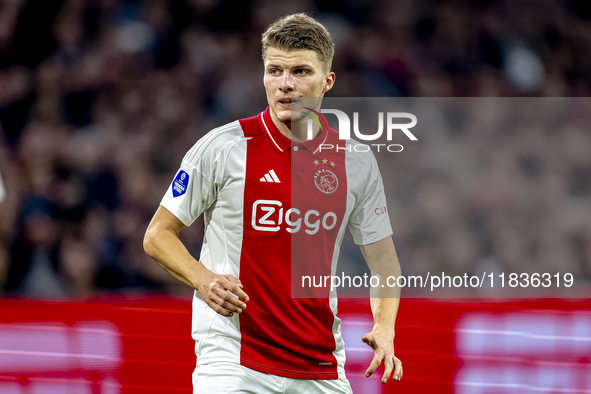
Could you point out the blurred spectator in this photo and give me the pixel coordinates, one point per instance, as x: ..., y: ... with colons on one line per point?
x: 34, y: 253
x: 2, y: 190
x: 99, y: 100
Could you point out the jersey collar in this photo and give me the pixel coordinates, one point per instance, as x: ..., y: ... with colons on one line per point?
x: 281, y: 143
x: 314, y: 144
x: 277, y: 140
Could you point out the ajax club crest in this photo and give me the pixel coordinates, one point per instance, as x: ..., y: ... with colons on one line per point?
x: 325, y: 180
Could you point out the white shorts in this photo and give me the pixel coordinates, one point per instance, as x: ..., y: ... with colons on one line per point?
x: 232, y: 378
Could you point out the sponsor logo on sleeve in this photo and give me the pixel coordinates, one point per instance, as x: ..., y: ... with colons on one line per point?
x: 381, y: 211
x: 180, y: 184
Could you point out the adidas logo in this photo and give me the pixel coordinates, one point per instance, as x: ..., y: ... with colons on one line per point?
x: 270, y: 177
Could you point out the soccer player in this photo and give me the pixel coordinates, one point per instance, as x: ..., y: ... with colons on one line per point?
x: 250, y: 335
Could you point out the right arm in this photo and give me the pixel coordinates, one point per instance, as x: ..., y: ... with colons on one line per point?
x: 162, y: 244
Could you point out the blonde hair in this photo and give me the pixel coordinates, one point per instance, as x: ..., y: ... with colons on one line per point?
x: 300, y: 31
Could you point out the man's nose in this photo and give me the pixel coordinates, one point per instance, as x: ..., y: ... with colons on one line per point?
x: 287, y: 84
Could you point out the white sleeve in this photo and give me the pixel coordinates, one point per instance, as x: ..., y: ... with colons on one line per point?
x: 369, y: 221
x: 197, y: 182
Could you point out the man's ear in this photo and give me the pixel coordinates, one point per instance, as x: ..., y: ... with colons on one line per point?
x: 329, y: 82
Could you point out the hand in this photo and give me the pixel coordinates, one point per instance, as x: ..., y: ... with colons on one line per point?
x: 383, y: 347
x: 223, y: 293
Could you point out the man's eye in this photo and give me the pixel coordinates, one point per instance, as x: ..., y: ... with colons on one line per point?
x: 301, y: 71
x: 274, y: 71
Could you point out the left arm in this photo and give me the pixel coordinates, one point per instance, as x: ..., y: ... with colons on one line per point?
x: 382, y: 261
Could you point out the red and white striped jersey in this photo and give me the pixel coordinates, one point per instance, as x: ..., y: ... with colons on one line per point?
x: 273, y: 210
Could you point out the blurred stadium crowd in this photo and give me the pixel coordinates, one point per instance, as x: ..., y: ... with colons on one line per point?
x: 100, y: 100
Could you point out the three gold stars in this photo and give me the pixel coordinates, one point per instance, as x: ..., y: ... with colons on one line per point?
x: 324, y: 161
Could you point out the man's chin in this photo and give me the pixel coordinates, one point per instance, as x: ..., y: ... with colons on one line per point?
x: 288, y: 115
x: 283, y: 115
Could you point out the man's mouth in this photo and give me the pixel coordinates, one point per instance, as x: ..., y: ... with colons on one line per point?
x: 288, y: 100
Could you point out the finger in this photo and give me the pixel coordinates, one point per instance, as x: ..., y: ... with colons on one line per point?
x: 228, y: 305
x: 236, y: 290
x: 375, y: 363
x: 231, y: 307
x: 389, y: 366
x: 234, y: 279
x: 224, y: 304
x: 398, y: 370
x: 215, y: 304
x: 232, y: 303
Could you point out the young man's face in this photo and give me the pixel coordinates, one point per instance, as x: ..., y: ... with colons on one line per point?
x: 293, y: 74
